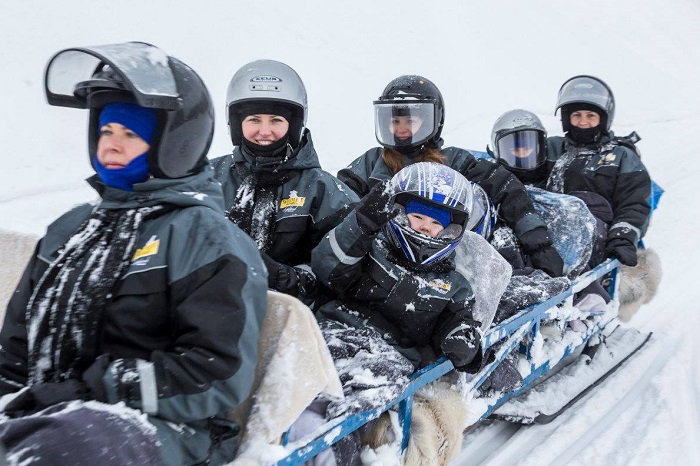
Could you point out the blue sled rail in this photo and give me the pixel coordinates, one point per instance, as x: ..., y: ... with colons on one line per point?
x: 520, y: 330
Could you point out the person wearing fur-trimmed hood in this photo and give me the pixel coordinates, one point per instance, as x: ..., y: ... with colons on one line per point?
x: 274, y: 187
x: 149, y: 299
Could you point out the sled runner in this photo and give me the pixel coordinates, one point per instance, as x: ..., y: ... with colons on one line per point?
x: 545, y: 401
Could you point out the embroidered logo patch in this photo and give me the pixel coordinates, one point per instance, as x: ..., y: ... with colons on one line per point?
x: 441, y: 286
x: 607, y: 158
x: 150, y: 249
x: 295, y: 201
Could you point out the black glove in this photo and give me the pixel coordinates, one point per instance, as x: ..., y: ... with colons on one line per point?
x: 537, y: 244
x: 43, y: 395
x: 376, y: 208
x: 463, y: 347
x: 548, y: 260
x: 293, y: 281
x: 93, y: 378
x: 623, y: 250
x: 308, y: 285
x: 125, y: 374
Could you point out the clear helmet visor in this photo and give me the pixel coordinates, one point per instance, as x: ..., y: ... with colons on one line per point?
x: 143, y: 68
x: 520, y: 149
x: 407, y: 123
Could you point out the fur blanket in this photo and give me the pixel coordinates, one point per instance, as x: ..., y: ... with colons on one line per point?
x: 15, y: 251
x: 437, y: 424
x: 294, y: 366
x: 638, y: 285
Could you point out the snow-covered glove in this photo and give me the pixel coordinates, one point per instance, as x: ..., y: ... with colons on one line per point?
x: 537, y: 244
x: 126, y: 378
x: 462, y: 346
x: 295, y: 281
x: 376, y: 208
x: 43, y: 395
x: 623, y: 250
x: 124, y: 381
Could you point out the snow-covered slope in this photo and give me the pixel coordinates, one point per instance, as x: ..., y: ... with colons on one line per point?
x: 486, y: 57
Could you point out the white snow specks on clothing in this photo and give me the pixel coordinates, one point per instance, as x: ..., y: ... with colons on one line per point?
x: 262, y: 217
x: 197, y: 195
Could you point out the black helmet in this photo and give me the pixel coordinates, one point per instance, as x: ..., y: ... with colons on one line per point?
x: 140, y: 73
x: 438, y: 186
x: 585, y: 92
x: 266, y: 84
x: 518, y: 141
x: 410, y: 96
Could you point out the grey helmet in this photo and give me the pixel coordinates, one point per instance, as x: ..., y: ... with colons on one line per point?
x: 140, y: 73
x: 586, y: 90
x: 267, y: 82
x: 518, y: 141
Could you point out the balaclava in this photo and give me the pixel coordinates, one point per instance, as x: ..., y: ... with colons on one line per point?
x: 583, y: 135
x: 140, y: 120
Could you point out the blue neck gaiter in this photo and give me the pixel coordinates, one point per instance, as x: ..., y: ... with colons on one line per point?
x: 123, y: 178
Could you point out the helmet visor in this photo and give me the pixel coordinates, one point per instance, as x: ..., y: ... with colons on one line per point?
x: 399, y: 124
x: 520, y: 149
x: 143, y: 68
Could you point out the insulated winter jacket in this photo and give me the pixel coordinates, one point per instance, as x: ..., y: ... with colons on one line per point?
x: 612, y: 171
x: 186, y: 313
x: 427, y: 308
x: 310, y: 202
x: 505, y: 190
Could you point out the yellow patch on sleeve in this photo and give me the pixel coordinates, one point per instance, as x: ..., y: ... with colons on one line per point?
x: 440, y: 285
x: 292, y: 202
x: 149, y: 249
x: 607, y: 158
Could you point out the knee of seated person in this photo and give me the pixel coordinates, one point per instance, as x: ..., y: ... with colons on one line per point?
x: 597, y: 205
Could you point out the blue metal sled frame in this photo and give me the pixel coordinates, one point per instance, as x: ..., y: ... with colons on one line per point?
x: 520, y: 329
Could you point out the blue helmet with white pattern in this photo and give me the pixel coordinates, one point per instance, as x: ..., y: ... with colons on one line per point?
x: 438, y: 186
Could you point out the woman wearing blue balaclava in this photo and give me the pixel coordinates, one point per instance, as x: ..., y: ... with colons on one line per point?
x: 149, y: 298
x: 125, y: 135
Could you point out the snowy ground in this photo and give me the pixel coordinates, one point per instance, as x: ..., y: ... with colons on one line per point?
x: 486, y: 57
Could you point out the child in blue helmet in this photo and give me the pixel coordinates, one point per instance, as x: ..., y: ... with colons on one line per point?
x: 401, y: 303
x: 391, y: 262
